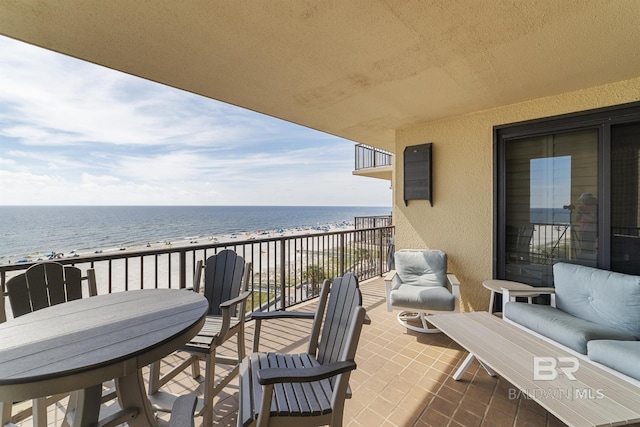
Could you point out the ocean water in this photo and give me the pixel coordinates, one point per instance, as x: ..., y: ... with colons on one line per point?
x: 33, y: 231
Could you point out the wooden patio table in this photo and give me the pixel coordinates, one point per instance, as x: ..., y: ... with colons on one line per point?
x: 576, y: 391
x: 80, y: 344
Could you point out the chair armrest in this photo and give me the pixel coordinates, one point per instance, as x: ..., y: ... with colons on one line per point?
x: 235, y: 301
x: 299, y: 375
x: 390, y: 275
x: 226, y: 313
x: 388, y: 282
x: 266, y: 315
x: 454, y: 283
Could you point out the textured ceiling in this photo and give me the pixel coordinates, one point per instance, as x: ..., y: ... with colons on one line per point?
x: 359, y: 69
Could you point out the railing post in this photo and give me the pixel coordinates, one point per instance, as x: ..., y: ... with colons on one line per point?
x: 283, y: 260
x: 381, y: 252
x: 342, y: 251
x: 183, y: 269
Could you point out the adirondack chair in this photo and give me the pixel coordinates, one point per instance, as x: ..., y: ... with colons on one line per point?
x: 42, y: 285
x: 226, y: 277
x: 182, y: 411
x: 309, y: 388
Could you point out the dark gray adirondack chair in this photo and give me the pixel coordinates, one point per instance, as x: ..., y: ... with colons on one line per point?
x: 182, y: 411
x: 43, y: 285
x: 226, y: 276
x: 308, y: 388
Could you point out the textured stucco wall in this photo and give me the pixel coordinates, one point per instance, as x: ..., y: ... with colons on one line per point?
x: 461, y: 219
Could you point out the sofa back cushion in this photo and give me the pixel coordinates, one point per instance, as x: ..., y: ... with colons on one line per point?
x: 422, y: 267
x: 600, y: 296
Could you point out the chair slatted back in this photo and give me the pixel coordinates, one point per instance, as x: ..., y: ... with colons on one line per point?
x: 344, y: 297
x: 225, y: 277
x: 44, y: 285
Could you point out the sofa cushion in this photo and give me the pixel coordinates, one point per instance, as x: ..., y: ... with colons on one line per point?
x: 422, y: 298
x: 561, y: 327
x: 422, y: 267
x: 622, y: 356
x: 599, y: 296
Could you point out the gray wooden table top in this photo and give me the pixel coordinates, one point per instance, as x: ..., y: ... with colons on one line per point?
x: 592, y: 397
x: 81, y: 343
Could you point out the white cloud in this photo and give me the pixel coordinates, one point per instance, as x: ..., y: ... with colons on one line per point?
x: 76, y: 133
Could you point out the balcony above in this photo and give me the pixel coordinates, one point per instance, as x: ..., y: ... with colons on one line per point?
x: 373, y: 162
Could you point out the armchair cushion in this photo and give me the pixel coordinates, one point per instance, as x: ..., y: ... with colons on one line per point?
x: 422, y: 268
x: 561, y: 327
x: 423, y: 298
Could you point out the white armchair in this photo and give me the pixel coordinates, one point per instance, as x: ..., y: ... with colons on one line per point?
x: 420, y: 286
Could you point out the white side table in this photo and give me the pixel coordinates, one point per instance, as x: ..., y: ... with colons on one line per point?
x: 496, y: 286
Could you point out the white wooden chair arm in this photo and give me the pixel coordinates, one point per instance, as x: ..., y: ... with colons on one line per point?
x: 390, y: 275
x: 454, y: 283
x: 388, y: 281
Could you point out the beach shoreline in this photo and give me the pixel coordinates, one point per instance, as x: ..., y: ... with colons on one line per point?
x: 182, y: 242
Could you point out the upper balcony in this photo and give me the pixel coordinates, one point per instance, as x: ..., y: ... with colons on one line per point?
x: 373, y: 162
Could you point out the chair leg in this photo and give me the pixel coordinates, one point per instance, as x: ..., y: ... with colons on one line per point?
x: 209, y: 381
x: 195, y: 366
x: 241, y: 346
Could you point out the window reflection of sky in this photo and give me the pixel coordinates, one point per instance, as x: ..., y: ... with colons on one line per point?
x: 550, y: 182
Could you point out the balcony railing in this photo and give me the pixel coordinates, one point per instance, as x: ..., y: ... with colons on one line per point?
x: 370, y: 157
x: 372, y: 221
x: 287, y: 270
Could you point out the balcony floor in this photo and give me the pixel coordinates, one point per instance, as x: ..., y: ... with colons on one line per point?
x: 403, y: 378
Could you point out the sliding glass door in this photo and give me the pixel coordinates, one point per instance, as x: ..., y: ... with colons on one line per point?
x: 625, y: 196
x: 568, y: 189
x: 551, y: 209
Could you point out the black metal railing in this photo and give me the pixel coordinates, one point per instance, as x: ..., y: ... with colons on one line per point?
x: 542, y: 243
x: 370, y: 157
x: 287, y: 270
x: 372, y: 221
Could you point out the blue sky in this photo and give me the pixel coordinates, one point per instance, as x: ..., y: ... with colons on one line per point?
x: 74, y: 133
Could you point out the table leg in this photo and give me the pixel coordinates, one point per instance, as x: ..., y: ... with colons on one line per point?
x: 467, y: 362
x: 492, y: 299
x: 5, y: 412
x: 133, y: 396
x: 464, y: 366
x: 87, y: 406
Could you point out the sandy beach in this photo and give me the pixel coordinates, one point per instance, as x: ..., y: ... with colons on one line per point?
x: 135, y: 269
